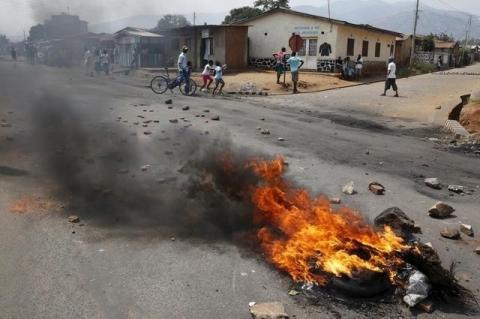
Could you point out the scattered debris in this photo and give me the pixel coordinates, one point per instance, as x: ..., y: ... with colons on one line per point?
x: 398, y: 221
x: 450, y: 233
x: 268, y: 310
x: 173, y: 121
x: 417, y: 290
x: 441, y: 210
x: 169, y: 101
x: 265, y: 131
x: 145, y: 168
x: 426, y: 306
x: 467, y: 230
x: 147, y: 133
x: 433, y: 182
x: 439, y: 107
x: 173, y: 238
x: 477, y: 250
x: 349, y: 189
x: 123, y: 171
x: 215, y: 118
x: 73, y: 219
x: 170, y: 107
x: 185, y: 108
x: 206, y: 111
x: 281, y: 139
x: 456, y: 188
x: 335, y: 200
x: 376, y: 188
x: 294, y: 292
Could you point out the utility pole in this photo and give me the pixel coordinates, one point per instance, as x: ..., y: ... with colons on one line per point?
x: 412, y: 53
x: 194, y: 18
x: 329, y: 16
x: 467, y: 35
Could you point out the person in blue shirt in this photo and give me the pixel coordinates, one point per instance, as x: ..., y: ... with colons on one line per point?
x: 295, y: 64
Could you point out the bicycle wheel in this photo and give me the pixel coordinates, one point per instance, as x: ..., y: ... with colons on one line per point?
x: 159, y: 84
x: 192, y: 88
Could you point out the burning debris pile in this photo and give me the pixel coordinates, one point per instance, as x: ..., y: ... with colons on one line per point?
x: 319, y: 247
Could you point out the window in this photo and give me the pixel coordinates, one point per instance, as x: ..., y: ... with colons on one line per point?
x: 350, y: 47
x: 303, y: 51
x: 365, y: 48
x: 378, y: 48
x: 312, y: 47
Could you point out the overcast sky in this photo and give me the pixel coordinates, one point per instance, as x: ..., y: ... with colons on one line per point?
x: 18, y: 15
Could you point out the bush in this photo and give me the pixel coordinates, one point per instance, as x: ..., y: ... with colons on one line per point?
x: 422, y: 68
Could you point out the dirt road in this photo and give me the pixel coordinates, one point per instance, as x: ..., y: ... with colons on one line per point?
x: 144, y: 248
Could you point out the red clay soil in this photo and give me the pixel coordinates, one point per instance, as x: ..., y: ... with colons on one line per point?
x: 470, y: 118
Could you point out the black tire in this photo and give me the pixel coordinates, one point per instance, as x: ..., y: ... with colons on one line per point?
x: 193, y: 88
x: 159, y: 84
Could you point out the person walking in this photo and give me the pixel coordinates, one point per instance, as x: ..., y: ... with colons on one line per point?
x: 295, y: 64
x: 105, y: 61
x: 391, y: 77
x: 13, y: 53
x: 279, y: 63
x: 359, y: 67
x: 219, y: 68
x: 206, y: 76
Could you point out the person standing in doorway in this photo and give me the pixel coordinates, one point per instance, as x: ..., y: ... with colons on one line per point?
x: 279, y: 63
x: 391, y: 77
x: 295, y: 64
x: 359, y: 67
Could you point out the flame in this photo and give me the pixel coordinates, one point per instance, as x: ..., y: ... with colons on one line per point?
x: 312, y: 242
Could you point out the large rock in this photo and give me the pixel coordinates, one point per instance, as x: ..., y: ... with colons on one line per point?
x: 467, y: 230
x: 441, y: 210
x: 450, y: 233
x: 376, y: 188
x: 456, y: 188
x: 397, y: 220
x: 349, y: 189
x: 268, y: 310
x: 433, y: 183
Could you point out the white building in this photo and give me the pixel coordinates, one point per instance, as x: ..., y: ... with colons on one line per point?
x: 324, y: 40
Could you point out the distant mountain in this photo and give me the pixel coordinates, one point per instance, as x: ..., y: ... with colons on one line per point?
x: 398, y: 16
x: 150, y: 21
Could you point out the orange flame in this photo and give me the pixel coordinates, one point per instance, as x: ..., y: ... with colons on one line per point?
x: 309, y: 240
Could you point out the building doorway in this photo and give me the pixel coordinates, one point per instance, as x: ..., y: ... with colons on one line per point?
x: 309, y: 53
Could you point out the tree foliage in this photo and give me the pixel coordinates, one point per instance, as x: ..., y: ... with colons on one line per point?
x: 242, y: 13
x: 266, y: 5
x: 170, y: 21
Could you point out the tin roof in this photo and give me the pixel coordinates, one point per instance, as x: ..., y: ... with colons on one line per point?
x: 307, y: 15
x: 130, y: 31
x: 444, y: 44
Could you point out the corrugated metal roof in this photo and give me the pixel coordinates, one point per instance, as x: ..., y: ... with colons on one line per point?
x: 137, y: 32
x: 444, y: 44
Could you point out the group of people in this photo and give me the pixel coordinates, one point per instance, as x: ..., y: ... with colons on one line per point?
x: 350, y: 70
x: 211, y: 72
x: 293, y: 61
x: 97, y: 61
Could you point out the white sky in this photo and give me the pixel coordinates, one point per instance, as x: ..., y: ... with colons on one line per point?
x: 17, y: 15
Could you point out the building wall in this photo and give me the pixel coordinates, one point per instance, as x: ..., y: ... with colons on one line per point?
x: 236, y: 45
x: 403, y: 49
x: 268, y: 34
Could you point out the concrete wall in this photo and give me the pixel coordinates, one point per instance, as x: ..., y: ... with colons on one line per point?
x: 269, y: 33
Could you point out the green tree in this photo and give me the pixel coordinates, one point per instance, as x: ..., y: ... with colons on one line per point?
x: 242, y: 13
x: 444, y: 37
x: 266, y: 5
x: 170, y: 21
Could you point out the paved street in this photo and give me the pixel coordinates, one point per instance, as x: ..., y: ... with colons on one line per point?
x: 145, y: 247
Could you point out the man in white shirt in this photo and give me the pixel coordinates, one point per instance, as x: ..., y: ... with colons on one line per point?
x: 183, y: 70
x: 391, y: 77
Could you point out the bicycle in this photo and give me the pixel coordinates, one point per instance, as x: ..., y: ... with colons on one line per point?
x: 160, y: 84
